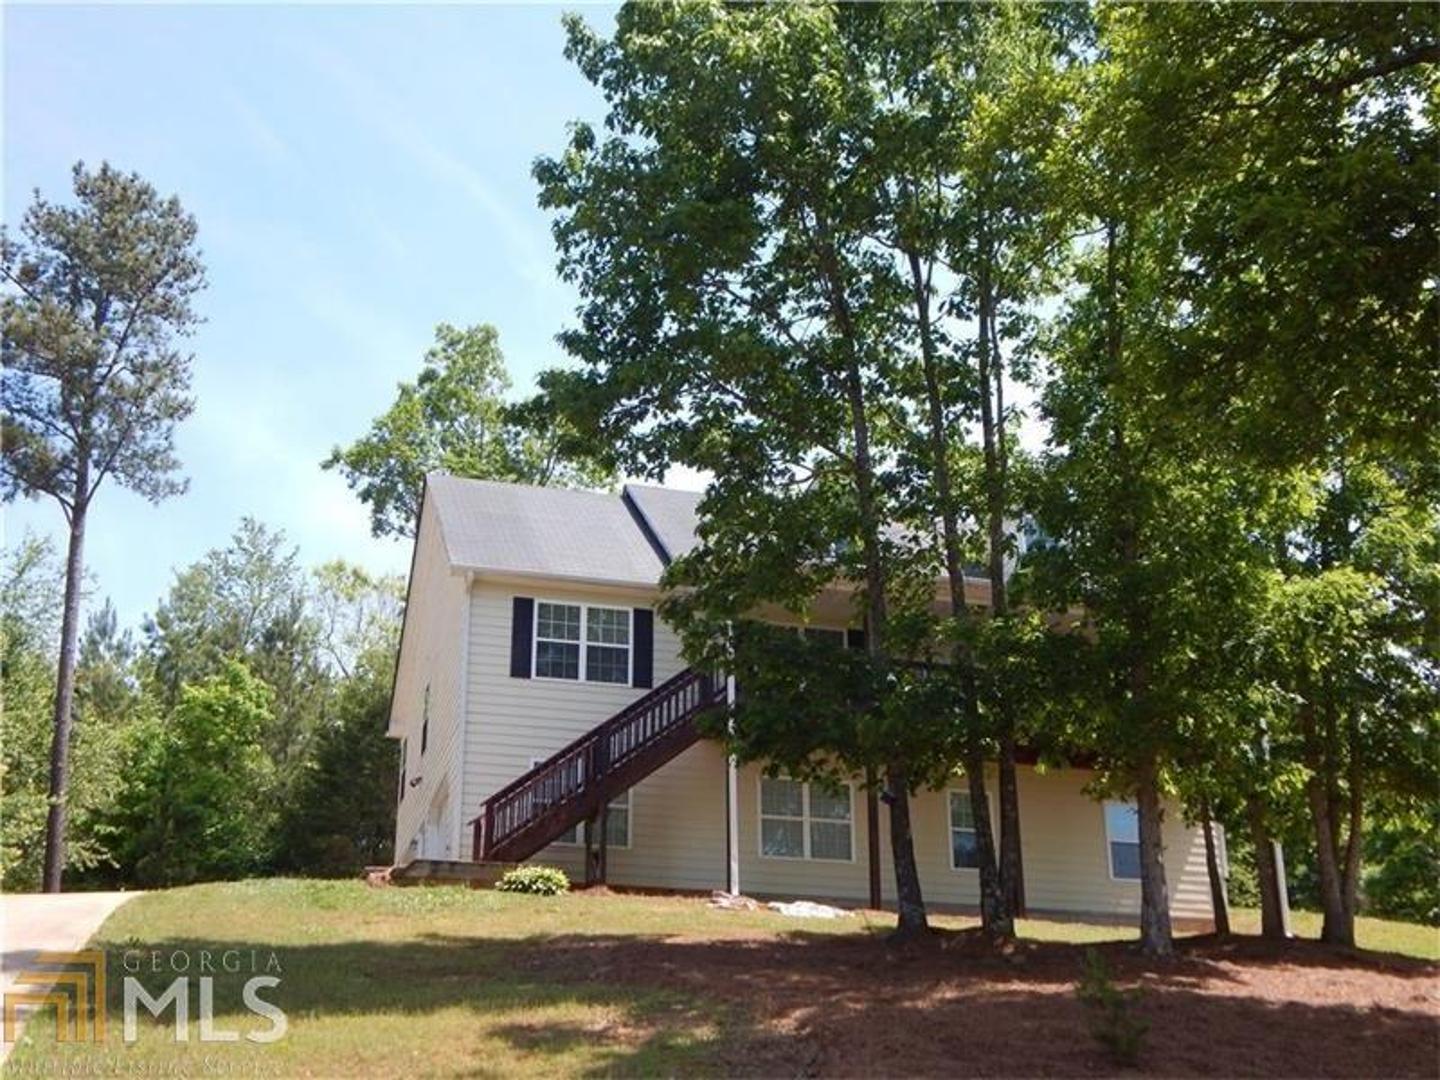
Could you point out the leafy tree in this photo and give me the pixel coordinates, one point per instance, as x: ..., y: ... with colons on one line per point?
x: 342, y: 815
x: 1348, y: 651
x: 1402, y: 863
x: 200, y: 805
x: 454, y: 418
x: 1301, y: 139
x: 359, y: 613
x: 1142, y: 543
x: 976, y: 100
x: 736, y: 318
x: 247, y: 601
x: 105, y: 705
x: 93, y: 384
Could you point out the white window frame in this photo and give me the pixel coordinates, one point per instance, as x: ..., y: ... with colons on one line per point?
x: 964, y: 793
x: 1109, y: 851
x: 805, y: 819
x: 583, y: 642
x: 579, y: 840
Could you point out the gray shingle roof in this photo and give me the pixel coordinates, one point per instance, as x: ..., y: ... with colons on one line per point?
x: 559, y: 532
x: 673, y: 516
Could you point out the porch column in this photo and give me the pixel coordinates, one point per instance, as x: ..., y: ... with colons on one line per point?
x: 1284, y: 888
x: 593, y: 873
x: 603, y: 855
x: 732, y: 808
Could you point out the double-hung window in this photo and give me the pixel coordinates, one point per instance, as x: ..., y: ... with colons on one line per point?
x: 1122, y: 838
x: 805, y: 821
x: 964, y: 851
x: 582, y: 642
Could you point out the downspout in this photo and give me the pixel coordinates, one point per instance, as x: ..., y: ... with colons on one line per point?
x: 732, y: 806
x: 462, y: 815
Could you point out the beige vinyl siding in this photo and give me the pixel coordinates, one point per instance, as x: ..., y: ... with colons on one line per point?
x: 1065, y: 855
x: 677, y: 814
x: 431, y: 653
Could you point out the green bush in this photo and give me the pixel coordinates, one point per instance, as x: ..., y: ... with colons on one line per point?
x: 1113, y: 1022
x: 536, y: 880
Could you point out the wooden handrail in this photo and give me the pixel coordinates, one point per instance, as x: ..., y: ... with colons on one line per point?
x: 577, y: 770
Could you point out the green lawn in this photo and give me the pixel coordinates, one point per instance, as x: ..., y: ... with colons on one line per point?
x: 449, y: 981
x: 1381, y: 935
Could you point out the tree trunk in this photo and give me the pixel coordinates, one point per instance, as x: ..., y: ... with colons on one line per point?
x: 1012, y: 870
x: 1156, y: 938
x: 992, y: 432
x: 1338, y: 927
x: 1219, y: 902
x: 1350, y: 871
x: 64, y: 698
x: 1339, y: 924
x: 910, y: 898
x: 912, y: 920
x: 995, y: 916
x: 1272, y: 903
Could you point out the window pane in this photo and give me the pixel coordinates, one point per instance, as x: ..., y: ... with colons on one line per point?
x: 829, y: 840
x: 781, y: 837
x: 964, y: 852
x: 960, y: 814
x: 1125, y: 861
x: 833, y: 806
x: 604, y: 663
x: 617, y: 826
x: 609, y: 626
x: 558, y: 621
x: 571, y: 837
x: 1122, y: 824
x: 780, y: 797
x: 556, y: 660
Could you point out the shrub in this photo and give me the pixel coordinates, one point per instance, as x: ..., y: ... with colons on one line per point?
x: 536, y: 880
x: 1113, y: 1022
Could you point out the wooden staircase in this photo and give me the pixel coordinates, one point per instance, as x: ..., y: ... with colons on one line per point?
x: 578, y: 782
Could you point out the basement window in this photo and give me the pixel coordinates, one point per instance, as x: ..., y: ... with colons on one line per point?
x: 1122, y: 837
x: 805, y: 821
x: 964, y: 851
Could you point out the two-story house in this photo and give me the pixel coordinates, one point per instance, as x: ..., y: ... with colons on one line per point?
x: 540, y: 702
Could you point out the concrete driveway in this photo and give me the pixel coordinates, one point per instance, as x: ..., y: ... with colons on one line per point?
x: 41, y: 922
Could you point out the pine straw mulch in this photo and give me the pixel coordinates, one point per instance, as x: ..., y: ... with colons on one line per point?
x: 804, y: 1004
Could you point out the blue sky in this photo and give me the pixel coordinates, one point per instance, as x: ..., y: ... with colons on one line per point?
x: 358, y: 173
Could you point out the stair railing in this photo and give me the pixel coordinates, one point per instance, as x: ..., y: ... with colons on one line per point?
x: 577, y: 770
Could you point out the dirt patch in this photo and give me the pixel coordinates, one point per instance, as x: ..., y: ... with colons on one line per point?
x: 816, y: 1004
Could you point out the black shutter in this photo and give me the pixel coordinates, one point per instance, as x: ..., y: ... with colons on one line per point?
x: 855, y: 639
x: 644, y: 645
x: 522, y: 627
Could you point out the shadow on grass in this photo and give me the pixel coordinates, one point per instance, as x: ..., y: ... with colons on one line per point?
x: 801, y: 1003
